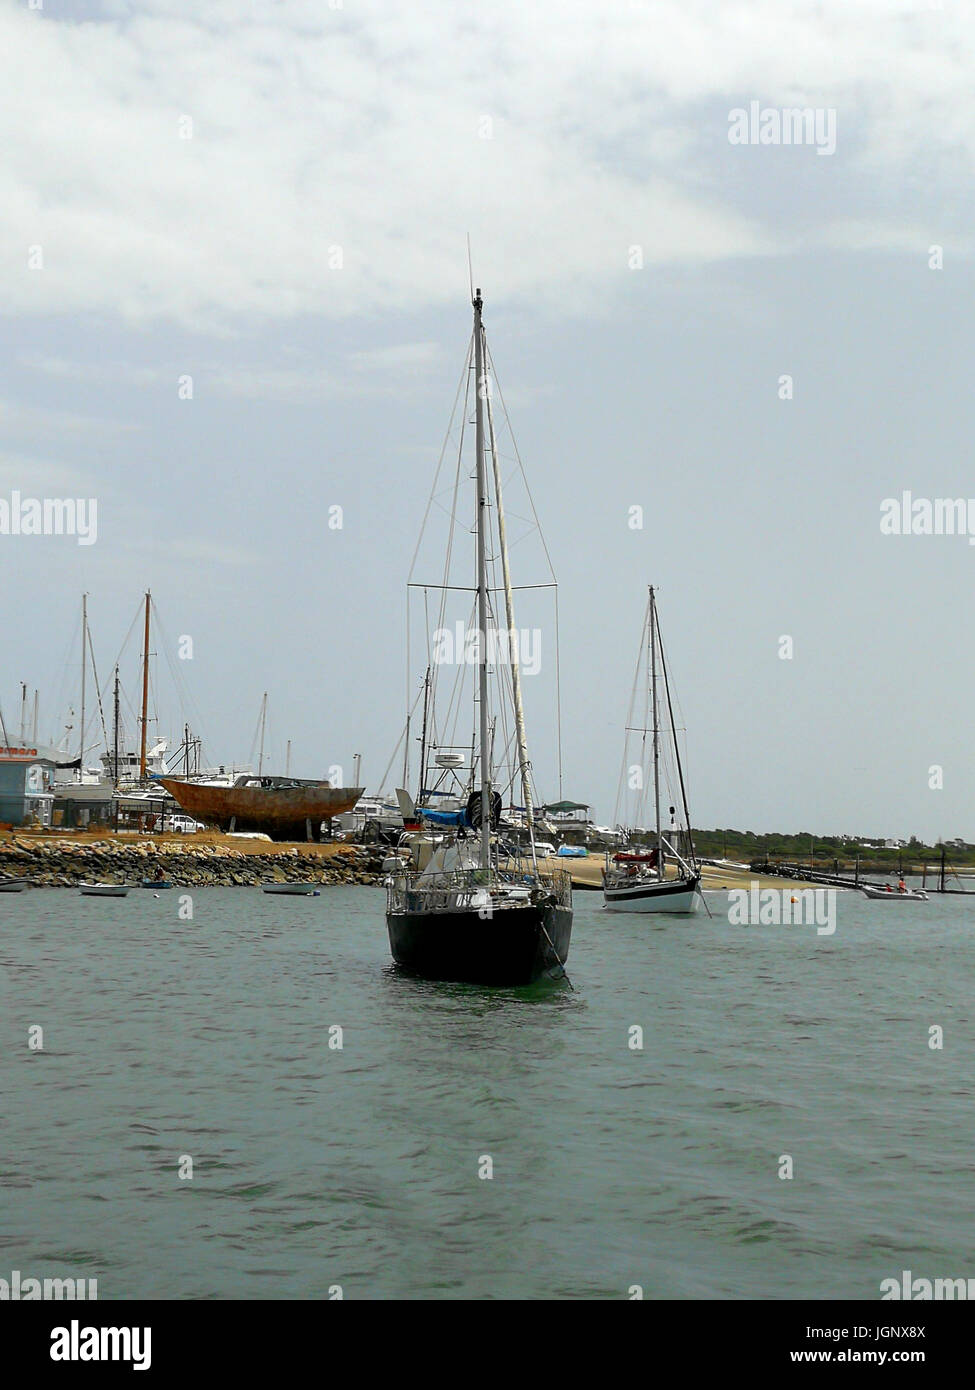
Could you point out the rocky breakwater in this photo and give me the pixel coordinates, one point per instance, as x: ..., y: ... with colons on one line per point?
x: 48, y: 864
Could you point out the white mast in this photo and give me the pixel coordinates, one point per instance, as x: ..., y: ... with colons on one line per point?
x: 84, y: 667
x: 260, y: 761
x: 656, y: 729
x: 482, y: 606
x: 509, y: 610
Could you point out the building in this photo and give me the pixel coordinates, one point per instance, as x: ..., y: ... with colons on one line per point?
x: 26, y: 786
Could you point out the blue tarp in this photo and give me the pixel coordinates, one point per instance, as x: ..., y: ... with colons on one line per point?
x: 573, y: 852
x: 443, y: 817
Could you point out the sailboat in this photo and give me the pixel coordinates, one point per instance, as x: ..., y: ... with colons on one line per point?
x: 473, y: 914
x: 636, y: 878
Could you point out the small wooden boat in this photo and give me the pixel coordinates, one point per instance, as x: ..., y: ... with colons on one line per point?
x: 14, y: 885
x: 104, y: 890
x: 155, y: 883
x: 892, y: 895
x: 302, y: 890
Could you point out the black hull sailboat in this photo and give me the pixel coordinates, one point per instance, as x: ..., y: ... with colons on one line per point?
x: 522, y: 944
x: 474, y: 914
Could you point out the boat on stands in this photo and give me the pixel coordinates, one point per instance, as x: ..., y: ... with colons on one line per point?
x: 286, y: 808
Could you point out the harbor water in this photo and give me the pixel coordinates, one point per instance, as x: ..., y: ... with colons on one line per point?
x: 352, y: 1129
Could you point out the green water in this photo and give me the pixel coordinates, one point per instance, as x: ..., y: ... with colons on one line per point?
x: 315, y: 1167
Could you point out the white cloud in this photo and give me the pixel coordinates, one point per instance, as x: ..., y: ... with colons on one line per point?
x: 358, y: 128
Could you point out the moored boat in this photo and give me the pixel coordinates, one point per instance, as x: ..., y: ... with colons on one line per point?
x: 103, y: 890
x: 14, y: 885
x: 637, y: 878
x: 471, y: 914
x: 295, y: 890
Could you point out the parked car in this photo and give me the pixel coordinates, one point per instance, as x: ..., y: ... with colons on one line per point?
x: 543, y: 848
x: 185, y: 825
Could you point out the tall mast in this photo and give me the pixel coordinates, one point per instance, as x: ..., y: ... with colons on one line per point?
x: 423, y: 737
x: 23, y: 713
x: 260, y: 763
x: 145, y: 695
x: 509, y: 611
x: 115, y: 733
x: 656, y: 729
x: 691, y: 853
x: 287, y: 759
x: 115, y: 736
x: 482, y: 607
x: 34, y: 735
x: 84, y: 668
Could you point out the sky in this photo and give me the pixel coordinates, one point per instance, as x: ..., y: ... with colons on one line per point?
x: 234, y: 279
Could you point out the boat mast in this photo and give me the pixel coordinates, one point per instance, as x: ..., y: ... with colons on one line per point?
x: 84, y: 668
x: 509, y: 612
x: 115, y: 738
x: 656, y: 729
x: 34, y: 734
x: 145, y: 695
x: 260, y: 761
x: 423, y: 738
x: 691, y: 853
x: 23, y: 713
x: 482, y: 613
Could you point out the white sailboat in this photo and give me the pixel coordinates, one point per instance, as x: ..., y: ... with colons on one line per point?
x: 662, y: 876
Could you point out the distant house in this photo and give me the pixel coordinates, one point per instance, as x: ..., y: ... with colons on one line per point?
x: 26, y: 786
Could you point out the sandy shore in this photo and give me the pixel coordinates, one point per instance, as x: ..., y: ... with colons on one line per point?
x: 587, y: 873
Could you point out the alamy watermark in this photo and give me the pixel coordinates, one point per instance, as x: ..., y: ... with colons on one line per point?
x: 783, y: 907
x: 77, y: 1343
x: 21, y: 1288
x: 461, y: 646
x: 908, y: 515
x: 786, y: 125
x: 925, y: 1290
x: 49, y: 516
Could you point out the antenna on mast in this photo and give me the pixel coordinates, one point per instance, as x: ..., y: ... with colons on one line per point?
x: 470, y: 268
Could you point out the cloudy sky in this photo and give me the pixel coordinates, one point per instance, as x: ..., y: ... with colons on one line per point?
x: 272, y: 198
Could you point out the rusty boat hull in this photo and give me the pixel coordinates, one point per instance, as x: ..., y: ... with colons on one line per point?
x: 284, y: 808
